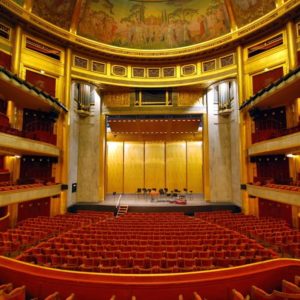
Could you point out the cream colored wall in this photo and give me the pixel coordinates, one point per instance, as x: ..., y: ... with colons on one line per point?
x: 88, y: 169
x: 175, y: 165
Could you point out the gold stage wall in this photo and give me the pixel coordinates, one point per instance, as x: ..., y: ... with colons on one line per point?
x: 132, y: 165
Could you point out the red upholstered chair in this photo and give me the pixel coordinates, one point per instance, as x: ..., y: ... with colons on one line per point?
x: 15, y: 294
x: 236, y: 295
x: 189, y: 265
x: 259, y: 294
x: 284, y: 296
x: 197, y: 296
x: 54, y: 296
x: 7, y: 287
x: 71, y: 297
x: 289, y: 287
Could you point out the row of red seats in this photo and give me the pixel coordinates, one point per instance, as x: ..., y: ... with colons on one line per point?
x: 31, y: 231
x: 271, y: 133
x: 219, y: 254
x: 272, y: 232
x: 293, y: 188
x: 6, y: 188
x: 8, y: 292
x: 34, y: 134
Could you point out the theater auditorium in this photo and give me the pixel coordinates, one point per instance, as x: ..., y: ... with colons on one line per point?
x: 149, y: 149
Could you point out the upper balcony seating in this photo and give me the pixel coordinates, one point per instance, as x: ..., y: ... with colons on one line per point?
x: 267, y: 134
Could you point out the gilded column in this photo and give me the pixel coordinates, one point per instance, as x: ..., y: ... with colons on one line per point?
x: 64, y: 124
x: 243, y: 129
x: 15, y: 65
x: 292, y: 47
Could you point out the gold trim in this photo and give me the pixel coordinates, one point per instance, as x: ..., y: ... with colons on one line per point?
x: 75, y: 17
x: 210, y: 61
x: 5, y: 217
x: 228, y: 4
x: 98, y: 62
x: 184, y: 66
x: 298, y: 29
x: 153, y: 68
x: 9, y: 33
x: 233, y: 60
x: 171, y: 67
x: 16, y: 55
x: 118, y: 66
x: 257, y: 42
x: 28, y: 5
x: 40, y: 41
x: 83, y: 58
x: 291, y: 45
x: 142, y: 68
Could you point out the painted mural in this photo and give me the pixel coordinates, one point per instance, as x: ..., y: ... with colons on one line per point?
x: 247, y: 11
x: 57, y: 12
x: 20, y: 2
x: 153, y: 24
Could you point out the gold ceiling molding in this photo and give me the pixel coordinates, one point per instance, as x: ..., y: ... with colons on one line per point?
x: 85, y: 43
x: 148, y: 74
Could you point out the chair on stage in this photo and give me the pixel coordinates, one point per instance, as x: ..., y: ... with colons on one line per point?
x: 138, y: 192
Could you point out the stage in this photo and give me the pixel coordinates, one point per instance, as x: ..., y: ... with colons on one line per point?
x: 141, y: 203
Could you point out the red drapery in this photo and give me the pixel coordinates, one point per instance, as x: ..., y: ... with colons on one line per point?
x: 268, y: 208
x: 5, y: 60
x: 43, y: 82
x: 262, y: 80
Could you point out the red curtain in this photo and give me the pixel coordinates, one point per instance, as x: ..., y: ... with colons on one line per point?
x: 34, y: 208
x: 278, y: 170
x: 5, y: 60
x: 268, y: 208
x: 1, y: 162
x: 43, y: 82
x: 260, y: 81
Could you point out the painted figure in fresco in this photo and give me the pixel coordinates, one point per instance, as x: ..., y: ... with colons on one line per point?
x: 246, y: 4
x: 153, y: 24
x: 202, y: 26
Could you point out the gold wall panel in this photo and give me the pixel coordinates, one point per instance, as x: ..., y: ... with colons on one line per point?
x: 155, y: 165
x: 116, y: 99
x: 176, y: 165
x: 133, y: 166
x: 194, y: 167
x: 114, y: 167
x: 189, y: 98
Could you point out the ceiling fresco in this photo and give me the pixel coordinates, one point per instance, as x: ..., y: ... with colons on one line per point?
x: 150, y: 24
x: 20, y: 2
x: 247, y: 11
x: 57, y: 12
x: 155, y: 24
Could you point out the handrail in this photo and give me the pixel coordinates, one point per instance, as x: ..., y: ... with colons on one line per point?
x: 119, y: 201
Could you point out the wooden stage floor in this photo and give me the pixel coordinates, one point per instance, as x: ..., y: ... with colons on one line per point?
x: 140, y: 203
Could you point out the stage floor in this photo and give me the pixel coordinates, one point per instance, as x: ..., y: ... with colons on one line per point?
x: 140, y: 203
x: 140, y: 200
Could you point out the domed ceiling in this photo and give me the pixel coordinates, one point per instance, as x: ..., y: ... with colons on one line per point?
x: 151, y: 24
